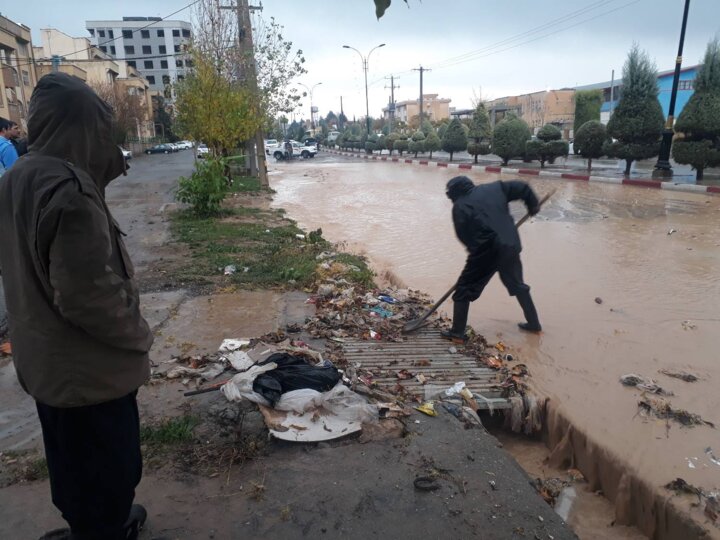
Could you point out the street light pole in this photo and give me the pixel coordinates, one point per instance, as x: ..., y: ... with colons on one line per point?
x: 310, y: 91
x: 662, y: 167
x: 365, y: 60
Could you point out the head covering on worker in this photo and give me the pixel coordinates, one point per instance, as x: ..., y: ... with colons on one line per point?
x: 458, y: 186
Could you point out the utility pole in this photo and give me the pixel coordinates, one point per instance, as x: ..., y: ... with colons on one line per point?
x: 365, y: 66
x: 421, y: 70
x: 246, y: 49
x: 391, y: 107
x: 342, y: 115
x: 662, y: 167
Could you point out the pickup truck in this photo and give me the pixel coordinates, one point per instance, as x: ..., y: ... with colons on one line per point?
x: 299, y: 150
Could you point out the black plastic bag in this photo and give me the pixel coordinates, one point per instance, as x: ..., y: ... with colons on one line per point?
x: 293, y: 373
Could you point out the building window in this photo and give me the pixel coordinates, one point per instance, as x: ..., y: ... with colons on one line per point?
x: 179, y: 63
x: 186, y: 33
x: 163, y: 49
x: 686, y: 85
x: 149, y: 64
x: 163, y: 64
x: 177, y: 48
x: 147, y: 49
x: 112, y: 49
x: 151, y: 79
x: 181, y: 78
x: 92, y: 31
x: 161, y: 33
x: 26, y: 78
x: 127, y: 34
x: 101, y: 33
x: 176, y: 33
x: 103, y: 48
x: 111, y: 34
x: 145, y: 34
x: 166, y: 79
x: 129, y: 49
x: 132, y: 63
x: 188, y: 62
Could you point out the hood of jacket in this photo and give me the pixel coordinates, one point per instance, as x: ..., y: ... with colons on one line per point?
x: 458, y: 186
x: 68, y: 120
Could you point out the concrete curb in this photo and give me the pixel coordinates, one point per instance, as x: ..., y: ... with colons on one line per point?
x: 637, y: 182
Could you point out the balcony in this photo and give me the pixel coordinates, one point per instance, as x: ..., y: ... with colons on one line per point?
x: 10, y: 77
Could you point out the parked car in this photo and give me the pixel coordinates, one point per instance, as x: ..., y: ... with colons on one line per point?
x: 307, y: 150
x: 298, y: 150
x: 184, y: 145
x: 202, y: 151
x: 160, y: 149
x: 174, y: 146
x: 332, y: 136
x: 310, y: 141
x: 127, y: 154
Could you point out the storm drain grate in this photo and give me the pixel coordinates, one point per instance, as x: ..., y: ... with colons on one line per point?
x: 425, y: 353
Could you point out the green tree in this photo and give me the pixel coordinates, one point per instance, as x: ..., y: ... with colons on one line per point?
x: 401, y: 145
x: 509, y: 138
x: 454, y: 139
x: 699, y: 121
x: 432, y: 143
x: 637, y: 121
x: 390, y: 141
x: 480, y: 133
x: 371, y: 144
x: 386, y: 129
x: 212, y: 109
x: 587, y: 107
x: 548, y: 145
x: 427, y: 127
x: 442, y: 128
x: 417, y: 143
x: 589, y: 141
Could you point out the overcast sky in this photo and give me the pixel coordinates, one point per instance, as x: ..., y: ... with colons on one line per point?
x: 474, y: 47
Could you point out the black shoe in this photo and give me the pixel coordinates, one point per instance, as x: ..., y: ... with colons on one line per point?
x: 531, y: 316
x: 57, y: 534
x: 135, y: 521
x: 460, y: 317
x: 527, y: 327
x: 452, y: 336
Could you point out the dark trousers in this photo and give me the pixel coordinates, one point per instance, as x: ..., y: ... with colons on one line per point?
x: 481, y: 266
x: 93, y: 456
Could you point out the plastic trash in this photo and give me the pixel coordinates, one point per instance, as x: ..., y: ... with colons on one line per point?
x: 239, y: 360
x: 230, y: 269
x: 241, y: 385
x: 455, y: 389
x: 387, y: 299
x: 427, y: 408
x: 384, y: 313
x: 340, y: 401
x: 229, y: 345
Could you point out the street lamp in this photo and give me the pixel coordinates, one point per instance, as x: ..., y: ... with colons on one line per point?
x: 365, y: 60
x: 662, y: 167
x: 310, y: 91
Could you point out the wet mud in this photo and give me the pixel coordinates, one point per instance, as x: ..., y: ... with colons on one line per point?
x: 651, y: 256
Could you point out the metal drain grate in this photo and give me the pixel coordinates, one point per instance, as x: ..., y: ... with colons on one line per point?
x: 386, y: 359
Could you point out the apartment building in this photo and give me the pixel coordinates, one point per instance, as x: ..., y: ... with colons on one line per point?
x: 155, y: 47
x: 537, y: 109
x: 434, y: 108
x: 17, y: 73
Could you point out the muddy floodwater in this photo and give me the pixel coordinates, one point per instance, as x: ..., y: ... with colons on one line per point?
x: 650, y: 257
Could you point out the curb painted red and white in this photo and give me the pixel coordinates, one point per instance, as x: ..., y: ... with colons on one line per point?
x: 637, y: 182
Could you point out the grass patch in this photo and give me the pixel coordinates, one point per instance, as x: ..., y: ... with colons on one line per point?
x: 246, y: 184
x: 169, y: 431
x: 36, y: 469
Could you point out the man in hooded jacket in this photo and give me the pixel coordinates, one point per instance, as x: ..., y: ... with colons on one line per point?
x: 484, y: 225
x: 80, y: 344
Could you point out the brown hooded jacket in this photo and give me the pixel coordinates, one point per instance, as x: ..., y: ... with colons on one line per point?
x: 77, y: 333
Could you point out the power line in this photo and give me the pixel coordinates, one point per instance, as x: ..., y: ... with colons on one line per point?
x: 152, y: 23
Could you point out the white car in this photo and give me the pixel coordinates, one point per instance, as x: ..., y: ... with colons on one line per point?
x: 202, y: 151
x: 298, y: 150
x: 184, y: 145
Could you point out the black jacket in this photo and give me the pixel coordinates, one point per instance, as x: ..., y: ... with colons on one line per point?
x: 481, y: 214
x: 77, y: 333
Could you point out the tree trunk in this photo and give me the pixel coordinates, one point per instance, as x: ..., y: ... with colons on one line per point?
x: 542, y: 163
x: 430, y: 154
x: 699, y: 175
x: 451, y: 155
x: 505, y: 162
x: 476, y: 158
x: 628, y: 164
x: 589, y: 165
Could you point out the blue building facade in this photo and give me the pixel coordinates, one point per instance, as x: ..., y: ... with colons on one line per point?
x: 686, y: 88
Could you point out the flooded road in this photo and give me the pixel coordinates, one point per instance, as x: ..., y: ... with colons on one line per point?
x: 659, y: 296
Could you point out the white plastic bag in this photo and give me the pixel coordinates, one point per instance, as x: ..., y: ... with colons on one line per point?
x: 340, y: 401
x: 241, y: 385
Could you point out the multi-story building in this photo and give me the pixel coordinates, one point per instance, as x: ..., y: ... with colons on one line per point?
x: 537, y: 109
x: 17, y: 71
x: 434, y: 109
x: 112, y: 79
x: 155, y: 47
x: 612, y: 90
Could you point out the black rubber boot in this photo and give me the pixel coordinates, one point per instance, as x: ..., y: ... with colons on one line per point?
x: 57, y: 534
x: 531, y: 316
x: 460, y: 317
x: 135, y: 521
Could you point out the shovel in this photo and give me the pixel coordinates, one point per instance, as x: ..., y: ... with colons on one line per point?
x: 418, y: 323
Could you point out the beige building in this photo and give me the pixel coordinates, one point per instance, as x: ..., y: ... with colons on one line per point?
x: 17, y: 72
x: 537, y: 109
x: 434, y: 108
x: 111, y: 78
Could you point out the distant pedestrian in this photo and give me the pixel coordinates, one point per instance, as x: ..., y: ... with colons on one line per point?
x: 80, y: 344
x: 8, y: 153
x: 484, y: 225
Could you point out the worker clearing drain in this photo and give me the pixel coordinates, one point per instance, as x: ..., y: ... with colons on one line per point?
x: 484, y: 225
